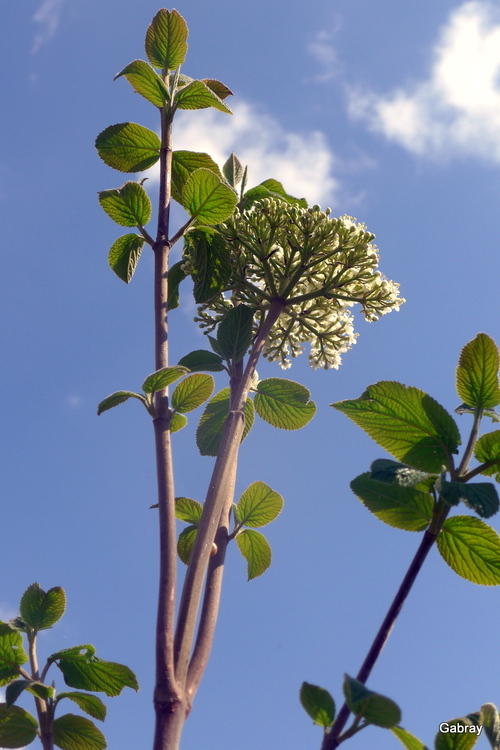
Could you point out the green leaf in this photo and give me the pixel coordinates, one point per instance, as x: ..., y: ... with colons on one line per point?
x: 318, y: 703
x: 373, y: 707
x: 87, y: 672
x: 233, y: 171
x: 188, y: 510
x: 41, y: 609
x: 472, y: 549
x: 162, y: 378
x: 407, y: 422
x: 211, y: 263
x: 491, y: 413
x: 177, y: 422
x: 128, y: 147
x: 234, y: 333
x: 145, y: 81
x: 458, y: 740
x: 124, y: 255
x: 270, y: 189
x: 202, y: 360
x: 91, y: 704
x: 210, y: 429
x: 197, y: 95
x: 72, y: 732
x: 128, y: 205
x: 477, y: 373
x: 17, y: 727
x: 14, y: 690
x: 166, y: 40
x: 184, y: 163
x: 175, y: 276
x: 217, y: 87
x: 185, y: 543
x: 256, y: 550
x: 487, y: 449
x: 214, y: 344
x: 12, y: 654
x: 284, y: 404
x: 408, y: 740
x: 390, y: 472
x: 491, y: 724
x: 403, y: 507
x: 481, y: 497
x: 118, y: 398
x: 258, y: 506
x: 192, y: 392
x: 206, y: 198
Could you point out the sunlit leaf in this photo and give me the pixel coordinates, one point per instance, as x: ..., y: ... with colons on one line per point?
x: 211, y: 426
x: 461, y: 740
x: 42, y: 609
x: 166, y: 40
x: 188, y: 510
x: 128, y: 205
x: 283, y: 403
x: 206, y: 198
x: 128, y: 147
x: 487, y: 449
x: 192, y: 392
x: 162, y: 378
x: 408, y: 740
x: 477, y: 373
x: 145, y: 81
x: 318, y: 703
x: 258, y: 506
x: 118, y: 398
x: 197, y: 95
x: 256, y: 550
x: 185, y: 543
x: 472, y: 549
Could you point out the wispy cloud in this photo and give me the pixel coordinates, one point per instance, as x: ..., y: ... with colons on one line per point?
x: 303, y: 162
x: 455, y: 110
x: 323, y: 50
x: 47, y: 19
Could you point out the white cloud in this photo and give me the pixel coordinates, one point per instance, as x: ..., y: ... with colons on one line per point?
x: 303, y: 162
x: 323, y: 50
x: 456, y: 109
x: 47, y: 17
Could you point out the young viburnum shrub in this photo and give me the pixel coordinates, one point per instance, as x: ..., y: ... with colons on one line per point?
x: 319, y: 266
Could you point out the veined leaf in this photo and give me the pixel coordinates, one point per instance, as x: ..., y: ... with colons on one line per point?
x: 206, y: 198
x: 128, y: 205
x: 217, y: 87
x: 124, y: 255
x: 192, y: 392
x: 42, y: 609
x: 197, y: 95
x: 202, y: 360
x: 491, y: 724
x: 283, y: 403
x: 18, y: 728
x: 318, y: 703
x: 403, y: 507
x: 185, y: 543
x: 145, y: 81
x: 256, y: 550
x: 72, y: 732
x: 258, y: 506
x: 234, y: 333
x: 188, y: 510
x: 210, y: 429
x: 166, y: 40
x: 177, y: 422
x: 87, y: 672
x: 472, y: 549
x: 487, y: 449
x: 408, y: 740
x: 373, y: 707
x: 184, y: 163
x: 407, y: 422
x: 118, y: 398
x: 477, y: 373
x: 233, y: 170
x: 91, y: 704
x: 12, y: 654
x: 463, y: 740
x: 162, y: 378
x: 211, y: 265
x: 128, y: 147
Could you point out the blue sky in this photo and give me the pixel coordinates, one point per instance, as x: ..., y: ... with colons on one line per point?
x: 386, y: 111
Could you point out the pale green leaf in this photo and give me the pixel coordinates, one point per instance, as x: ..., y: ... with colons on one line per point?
x: 206, y: 198
x: 128, y: 205
x: 197, y: 95
x: 128, y: 147
x: 477, y: 373
x: 408, y: 740
x: 233, y: 170
x: 166, y: 40
x: 177, y: 422
x: 162, y: 378
x: 486, y: 450
x: 472, y: 549
x: 184, y: 163
x: 185, y: 543
x: 284, y: 403
x: 145, y: 81
x: 258, y: 506
x: 256, y: 550
x: 192, y: 392
x: 188, y: 510
x: 211, y: 426
x: 118, y: 398
x: 458, y: 740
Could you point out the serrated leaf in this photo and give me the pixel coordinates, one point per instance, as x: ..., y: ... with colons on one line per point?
x: 166, y: 40
x: 124, y: 255
x: 487, y: 449
x: 177, y: 422
x: 162, y: 378
x: 128, y: 147
x: 390, y: 472
x: 407, y: 422
x: 258, y: 506
x: 184, y: 163
x: 185, y: 543
x: 17, y: 727
x: 145, y: 81
x: 454, y: 740
x: 202, y: 360
x: 270, y: 189
x: 128, y: 205
x: 217, y: 87
x: 14, y: 690
x: 256, y: 550
x: 284, y: 403
x: 214, y: 344
x: 481, y: 496
x: 206, y: 198
x: 234, y: 333
x: 12, y: 654
x: 197, y: 95
x: 211, y: 263
x: 119, y: 397
x: 91, y: 704
x: 233, y: 170
x: 402, y: 507
x: 472, y: 549
x: 72, y: 732
x: 477, y: 373
x: 42, y: 609
x: 88, y: 672
x: 188, y: 510
x: 192, y: 392
x: 373, y: 707
x: 318, y: 703
x: 175, y: 276
x: 408, y: 740
x: 210, y: 429
x: 491, y: 724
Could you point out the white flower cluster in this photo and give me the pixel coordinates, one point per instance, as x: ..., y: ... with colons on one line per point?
x: 320, y: 266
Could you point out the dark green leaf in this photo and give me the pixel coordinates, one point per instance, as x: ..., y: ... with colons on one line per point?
x: 477, y: 373
x: 128, y: 205
x: 206, y: 198
x: 390, y: 472
x: 128, y: 147
x: 491, y: 724
x: 192, y: 392
x: 145, y: 81
x: 256, y: 550
x: 472, y: 549
x: 217, y: 87
x: 458, y: 740
x: 284, y: 404
x: 124, y: 255
x: 12, y: 654
x: 487, y: 449
x: 72, y: 732
x: 403, y: 507
x: 118, y: 398
x: 214, y: 344
x: 41, y: 609
x: 166, y: 40
x: 407, y: 423
x: 14, y: 690
x: 91, y: 704
x: 175, y: 276
x: 185, y: 543
x: 318, y: 703
x: 87, y: 672
x: 184, y: 163
x: 211, y: 263
x: 197, y: 95
x: 373, y: 707
x: 17, y: 727
x: 258, y: 506
x: 160, y: 379
x: 481, y: 497
x: 233, y: 170
x: 234, y: 333
x: 177, y: 422
x: 202, y: 360
x: 209, y: 432
x: 188, y: 510
x: 408, y: 740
